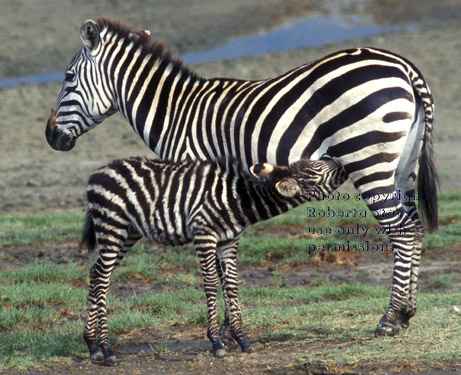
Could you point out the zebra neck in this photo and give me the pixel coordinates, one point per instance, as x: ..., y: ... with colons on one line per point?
x: 151, y: 94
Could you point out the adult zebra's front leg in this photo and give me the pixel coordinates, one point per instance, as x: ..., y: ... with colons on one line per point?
x: 400, y: 229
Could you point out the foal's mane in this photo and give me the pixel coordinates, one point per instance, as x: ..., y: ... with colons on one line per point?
x: 143, y: 40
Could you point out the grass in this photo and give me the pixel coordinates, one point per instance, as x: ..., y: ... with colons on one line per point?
x: 42, y: 304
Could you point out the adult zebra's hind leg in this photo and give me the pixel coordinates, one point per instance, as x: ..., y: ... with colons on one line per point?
x: 401, y: 231
x: 410, y: 208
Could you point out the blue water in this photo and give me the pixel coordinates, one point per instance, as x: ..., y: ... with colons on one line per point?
x: 309, y: 32
x: 312, y: 32
x: 42, y: 78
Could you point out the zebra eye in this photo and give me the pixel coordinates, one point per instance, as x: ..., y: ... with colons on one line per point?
x: 70, y: 76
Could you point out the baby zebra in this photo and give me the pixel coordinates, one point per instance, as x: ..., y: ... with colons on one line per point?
x: 205, y: 202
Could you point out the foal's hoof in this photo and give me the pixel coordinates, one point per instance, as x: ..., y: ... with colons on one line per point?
x: 386, y: 329
x: 246, y: 346
x: 97, y: 357
x: 226, y: 337
x: 220, y: 353
x: 219, y: 350
x: 110, y: 361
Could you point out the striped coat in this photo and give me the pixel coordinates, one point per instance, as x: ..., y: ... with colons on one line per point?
x: 206, y: 203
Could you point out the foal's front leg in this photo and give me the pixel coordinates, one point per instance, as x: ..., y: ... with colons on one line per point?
x: 205, y: 247
x: 96, y: 334
x: 227, y: 255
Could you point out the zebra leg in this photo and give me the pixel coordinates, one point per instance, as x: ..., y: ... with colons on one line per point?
x: 100, y: 274
x: 399, y: 226
x: 225, y: 331
x: 228, y: 256
x: 205, y: 247
x: 410, y: 208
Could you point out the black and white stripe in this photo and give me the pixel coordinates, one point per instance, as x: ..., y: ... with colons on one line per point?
x: 369, y: 109
x: 189, y: 201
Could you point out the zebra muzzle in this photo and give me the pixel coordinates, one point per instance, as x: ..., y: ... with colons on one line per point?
x: 57, y: 139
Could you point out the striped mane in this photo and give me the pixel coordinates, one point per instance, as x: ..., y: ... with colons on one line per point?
x: 149, y: 45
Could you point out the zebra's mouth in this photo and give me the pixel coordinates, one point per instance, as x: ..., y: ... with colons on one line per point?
x: 57, y: 139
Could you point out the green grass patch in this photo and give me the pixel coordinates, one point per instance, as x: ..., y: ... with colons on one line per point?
x: 20, y: 229
x: 43, y: 304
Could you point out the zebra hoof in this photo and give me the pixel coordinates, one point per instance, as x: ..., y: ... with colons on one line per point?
x: 219, y: 349
x: 246, y: 346
x: 385, y: 329
x: 110, y: 361
x: 226, y: 338
x: 220, y: 353
x: 249, y: 349
x: 97, y: 357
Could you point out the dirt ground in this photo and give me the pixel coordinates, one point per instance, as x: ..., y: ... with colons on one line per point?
x: 184, y: 349
x: 42, y: 36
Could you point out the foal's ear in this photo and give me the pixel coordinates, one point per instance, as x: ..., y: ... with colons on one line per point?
x: 261, y: 170
x: 89, y: 33
x: 288, y: 187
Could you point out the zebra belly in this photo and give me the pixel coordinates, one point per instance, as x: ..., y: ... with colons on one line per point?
x: 164, y: 237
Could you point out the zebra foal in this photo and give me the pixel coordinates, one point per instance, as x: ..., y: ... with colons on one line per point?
x: 203, y: 202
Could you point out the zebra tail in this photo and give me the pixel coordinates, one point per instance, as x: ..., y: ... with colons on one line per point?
x: 88, y: 235
x: 428, y: 178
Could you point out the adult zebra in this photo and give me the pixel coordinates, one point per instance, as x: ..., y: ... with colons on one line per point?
x: 369, y: 109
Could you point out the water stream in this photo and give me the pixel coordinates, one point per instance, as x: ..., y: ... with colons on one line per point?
x: 309, y: 32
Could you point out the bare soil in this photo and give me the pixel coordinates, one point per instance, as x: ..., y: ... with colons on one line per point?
x: 185, y: 350
x: 38, y: 37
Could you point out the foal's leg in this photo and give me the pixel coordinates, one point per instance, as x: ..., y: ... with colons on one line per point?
x: 205, y: 247
x: 225, y: 331
x: 96, y: 333
x: 109, y: 258
x: 227, y: 255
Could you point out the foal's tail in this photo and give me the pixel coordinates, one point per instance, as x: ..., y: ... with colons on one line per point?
x: 88, y: 235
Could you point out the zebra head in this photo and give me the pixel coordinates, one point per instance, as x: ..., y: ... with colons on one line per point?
x: 308, y: 178
x: 86, y: 98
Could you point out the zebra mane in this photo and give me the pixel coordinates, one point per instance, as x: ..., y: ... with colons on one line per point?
x: 144, y: 40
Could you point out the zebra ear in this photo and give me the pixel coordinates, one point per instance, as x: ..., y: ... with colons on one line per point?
x: 89, y: 33
x: 288, y: 187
